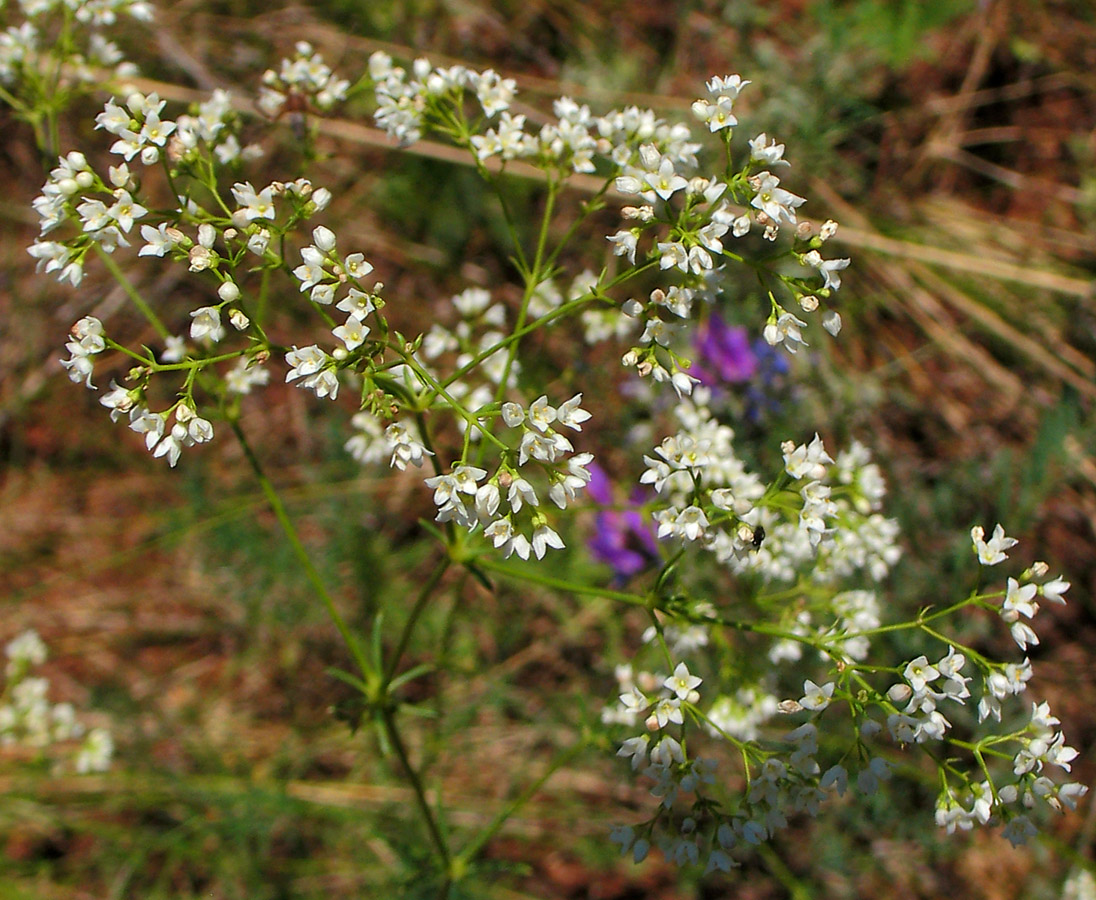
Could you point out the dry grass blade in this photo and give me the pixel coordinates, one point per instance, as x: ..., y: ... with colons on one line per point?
x: 922, y: 291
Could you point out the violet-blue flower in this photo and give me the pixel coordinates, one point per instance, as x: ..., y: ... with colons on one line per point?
x: 724, y: 354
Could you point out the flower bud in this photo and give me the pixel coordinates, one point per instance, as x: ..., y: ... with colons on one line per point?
x: 831, y: 321
x: 899, y: 693
x: 228, y: 291
x: 323, y: 238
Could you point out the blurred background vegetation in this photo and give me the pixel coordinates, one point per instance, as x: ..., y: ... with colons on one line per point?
x: 955, y: 142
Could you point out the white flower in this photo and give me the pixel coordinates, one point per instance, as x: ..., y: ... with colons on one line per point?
x: 206, y: 325
x: 311, y: 272
x: 503, y: 536
x: 1053, y: 590
x: 304, y: 362
x: 785, y: 330
x: 766, y: 151
x: 96, y: 753
x: 254, y: 205
x: 806, y: 460
x: 991, y: 552
x: 625, y: 243
x: 1019, y: 831
x: 405, y: 445
x: 682, y: 683
x: 777, y: 203
x: 159, y: 240
x: 919, y: 673
x: 828, y: 268
x: 665, y: 182
x: 1019, y: 601
x: 816, y: 697
x: 541, y: 415
x: 353, y: 333
x: 543, y: 538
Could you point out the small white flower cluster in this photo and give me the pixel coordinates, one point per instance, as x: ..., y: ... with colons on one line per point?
x: 28, y: 719
x: 87, y: 340
x: 785, y: 781
x: 712, y: 499
x: 1020, y: 600
x: 405, y: 106
x: 716, y: 110
x: 219, y: 246
x: 700, y: 214
x: 189, y: 429
x: 400, y: 443
x: 322, y: 272
x: 430, y: 99
x: 507, y: 505
x: 31, y: 48
x: 301, y: 82
x: 138, y: 126
x: 214, y: 124
x: 912, y: 712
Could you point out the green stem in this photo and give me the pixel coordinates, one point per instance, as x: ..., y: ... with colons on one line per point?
x: 290, y: 531
x: 524, y: 574
x: 468, y: 853
x: 416, y: 611
x: 419, y: 791
x: 557, y: 313
x: 533, y: 278
x: 131, y: 292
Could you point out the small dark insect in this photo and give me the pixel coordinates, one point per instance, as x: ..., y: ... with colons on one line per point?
x: 758, y: 537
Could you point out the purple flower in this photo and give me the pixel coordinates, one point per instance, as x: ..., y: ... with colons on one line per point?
x: 772, y: 366
x: 622, y: 539
x: 724, y: 354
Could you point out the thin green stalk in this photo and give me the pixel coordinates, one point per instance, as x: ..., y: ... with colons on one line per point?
x: 132, y: 292
x: 469, y: 852
x: 416, y: 610
x: 420, y: 793
x: 533, y: 278
x: 559, y: 312
x: 290, y: 531
x: 559, y: 584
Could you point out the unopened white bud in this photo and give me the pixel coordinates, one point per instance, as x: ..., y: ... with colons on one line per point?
x: 323, y: 238
x: 899, y: 693
x: 228, y: 291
